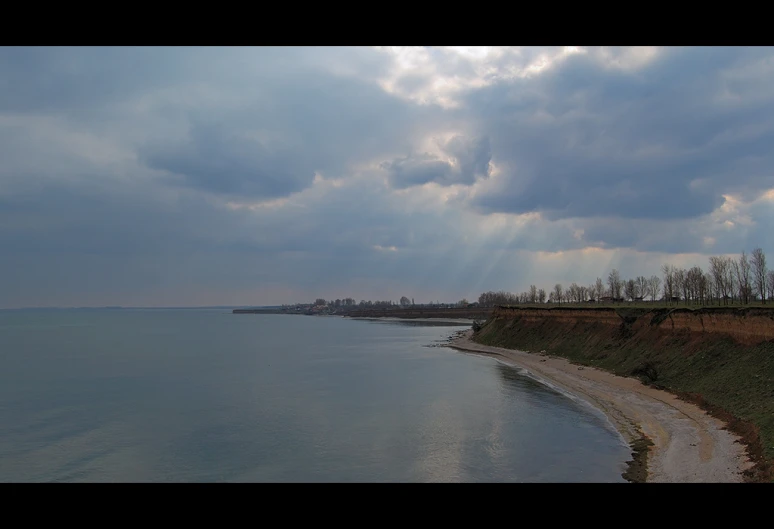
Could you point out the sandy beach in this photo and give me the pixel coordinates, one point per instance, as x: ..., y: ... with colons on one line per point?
x: 689, y: 446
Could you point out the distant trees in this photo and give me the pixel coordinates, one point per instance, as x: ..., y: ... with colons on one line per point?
x: 558, y: 293
x: 669, y: 281
x: 679, y: 284
x: 642, y: 286
x: 533, y: 294
x: 728, y: 280
x: 741, y: 270
x: 490, y: 299
x: 600, y: 288
x: 375, y: 304
x: 630, y: 290
x: 743, y: 279
x: 592, y: 291
x: 653, y: 285
x: 758, y: 262
x: 696, y: 285
x: 614, y: 283
x: 722, y: 276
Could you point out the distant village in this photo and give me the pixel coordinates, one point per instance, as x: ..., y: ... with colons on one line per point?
x: 348, y: 305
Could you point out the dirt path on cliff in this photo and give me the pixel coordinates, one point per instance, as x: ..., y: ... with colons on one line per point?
x: 689, y: 446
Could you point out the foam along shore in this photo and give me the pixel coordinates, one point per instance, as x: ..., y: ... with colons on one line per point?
x: 455, y: 321
x: 688, y: 445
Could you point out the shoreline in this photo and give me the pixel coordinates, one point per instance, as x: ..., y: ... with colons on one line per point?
x: 672, y: 441
x: 460, y: 321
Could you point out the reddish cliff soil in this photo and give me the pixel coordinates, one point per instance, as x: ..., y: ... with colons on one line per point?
x: 747, y: 326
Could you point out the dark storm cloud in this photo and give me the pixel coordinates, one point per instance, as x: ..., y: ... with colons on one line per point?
x: 471, y: 157
x: 284, y: 128
x: 72, y: 79
x: 417, y: 170
x: 585, y: 140
x: 214, y: 160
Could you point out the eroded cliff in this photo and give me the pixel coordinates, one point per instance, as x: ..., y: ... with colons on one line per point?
x: 744, y: 325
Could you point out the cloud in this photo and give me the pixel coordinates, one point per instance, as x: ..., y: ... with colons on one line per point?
x: 215, y: 160
x: 585, y: 140
x: 176, y: 176
x: 464, y: 161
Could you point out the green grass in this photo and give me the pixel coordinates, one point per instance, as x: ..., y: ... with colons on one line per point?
x: 733, y: 381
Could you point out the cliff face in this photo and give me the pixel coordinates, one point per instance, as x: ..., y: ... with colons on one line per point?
x: 747, y: 326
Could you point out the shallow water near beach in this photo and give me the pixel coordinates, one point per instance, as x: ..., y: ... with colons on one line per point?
x: 202, y: 395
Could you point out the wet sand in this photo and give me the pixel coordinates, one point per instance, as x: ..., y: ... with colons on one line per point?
x: 689, y: 446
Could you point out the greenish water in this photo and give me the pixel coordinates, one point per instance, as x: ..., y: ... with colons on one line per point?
x: 204, y: 395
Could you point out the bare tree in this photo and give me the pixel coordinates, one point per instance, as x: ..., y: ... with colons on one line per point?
x: 697, y: 287
x: 642, y: 286
x: 575, y: 292
x: 653, y: 287
x: 680, y: 283
x: 742, y: 275
x: 770, y: 283
x: 630, y: 289
x: 600, y: 289
x: 405, y: 301
x: 490, y: 299
x: 669, y: 281
x: 541, y: 295
x: 730, y: 279
x: 615, y: 283
x: 716, y: 273
x: 710, y: 286
x: 558, y: 293
x: 592, y: 290
x: 533, y: 294
x: 758, y: 261
x: 722, y: 277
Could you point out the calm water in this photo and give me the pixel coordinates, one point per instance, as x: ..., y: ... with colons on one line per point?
x: 204, y: 395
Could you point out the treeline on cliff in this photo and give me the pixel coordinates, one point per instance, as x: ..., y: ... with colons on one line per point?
x: 743, y: 280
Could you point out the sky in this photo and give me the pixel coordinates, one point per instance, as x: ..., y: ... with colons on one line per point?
x: 187, y: 176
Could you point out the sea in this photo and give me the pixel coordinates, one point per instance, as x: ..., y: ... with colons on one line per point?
x: 204, y: 395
